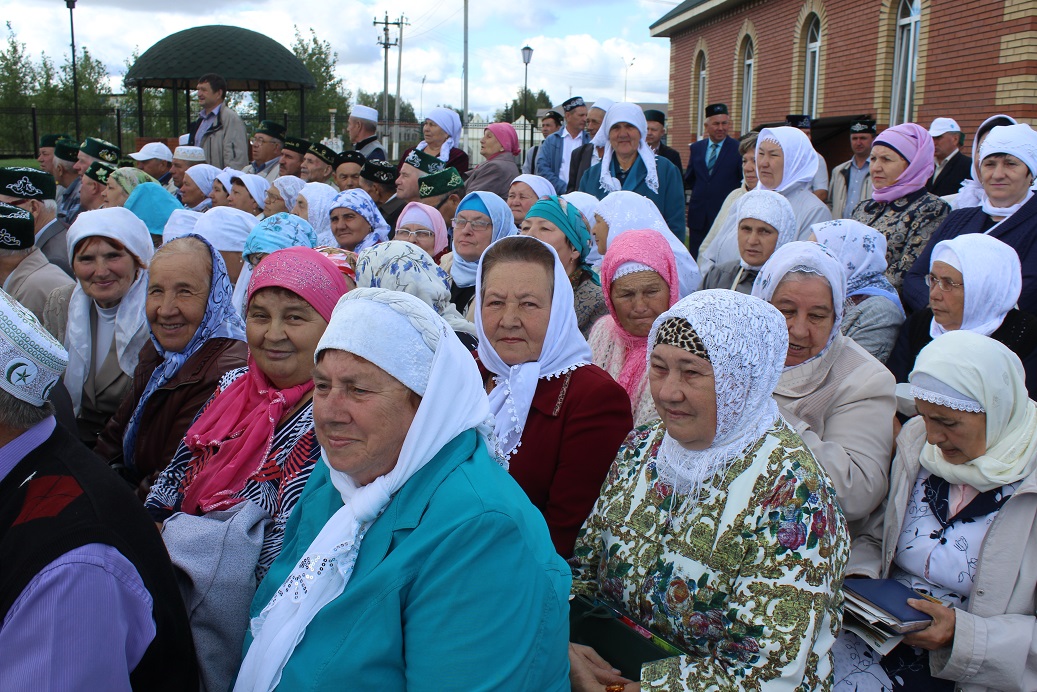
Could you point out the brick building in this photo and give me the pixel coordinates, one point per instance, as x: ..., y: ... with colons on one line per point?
x: 893, y: 60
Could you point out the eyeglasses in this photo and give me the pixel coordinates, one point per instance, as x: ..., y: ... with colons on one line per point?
x: 479, y: 225
x: 944, y: 284
x: 256, y: 141
x: 402, y: 234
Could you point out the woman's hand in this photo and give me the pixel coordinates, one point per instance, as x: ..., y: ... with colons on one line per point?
x: 590, y: 672
x: 938, y: 635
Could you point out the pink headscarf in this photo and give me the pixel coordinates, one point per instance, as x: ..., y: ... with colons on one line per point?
x: 416, y: 212
x: 915, y: 145
x: 233, y: 435
x: 506, y: 135
x: 648, y: 248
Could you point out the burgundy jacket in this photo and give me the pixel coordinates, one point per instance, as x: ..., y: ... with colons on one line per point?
x: 575, y: 427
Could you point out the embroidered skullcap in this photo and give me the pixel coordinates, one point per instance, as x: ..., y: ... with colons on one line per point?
x: 297, y: 144
x: 655, y: 116
x: 436, y: 184
x: 16, y: 228
x: 573, y: 103
x: 863, y: 126
x: 271, y: 129
x: 99, y: 171
x: 799, y: 121
x: 189, y: 153
x: 423, y: 162
x: 379, y: 172
x: 100, y: 149
x: 66, y: 150
x: 322, y: 152
x: 350, y: 157
x: 716, y: 109
x: 32, y: 360
x: 49, y: 140
x: 27, y: 183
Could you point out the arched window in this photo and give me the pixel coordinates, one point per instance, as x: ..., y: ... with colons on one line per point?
x: 747, y: 85
x: 700, y: 92
x: 812, y: 66
x: 905, y: 62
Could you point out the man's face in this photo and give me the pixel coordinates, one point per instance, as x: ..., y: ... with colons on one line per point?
x: 407, y: 183
x: 717, y: 127
x: 156, y: 168
x: 46, y: 159
x: 655, y: 133
x: 549, y: 126
x: 265, y: 148
x: 860, y: 143
x: 291, y: 163
x: 178, y: 169
x: 945, y: 144
x: 594, y: 118
x: 355, y: 130
x: 347, y: 176
x: 207, y: 98
x: 82, y: 163
x: 314, y: 170
x: 576, y: 119
x: 91, y: 194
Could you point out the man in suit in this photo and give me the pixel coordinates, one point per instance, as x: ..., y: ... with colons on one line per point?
x: 952, y: 167
x: 714, y: 169
x: 556, y: 152
x: 589, y: 154
x: 33, y: 191
x: 654, y: 137
x: 218, y: 129
x: 25, y: 272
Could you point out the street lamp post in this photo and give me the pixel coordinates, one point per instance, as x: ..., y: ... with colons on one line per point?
x: 625, y: 72
x: 71, y: 4
x: 527, y: 55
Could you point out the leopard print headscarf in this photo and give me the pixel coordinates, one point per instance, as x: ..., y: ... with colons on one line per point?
x: 677, y: 331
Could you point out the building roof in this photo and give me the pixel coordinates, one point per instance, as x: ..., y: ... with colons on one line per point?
x: 689, y: 12
x: 244, y: 58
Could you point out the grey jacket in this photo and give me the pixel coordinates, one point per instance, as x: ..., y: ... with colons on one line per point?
x: 225, y: 143
x: 874, y: 324
x: 995, y: 638
x: 52, y: 242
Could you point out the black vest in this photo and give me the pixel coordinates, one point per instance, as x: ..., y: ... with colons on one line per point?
x: 61, y: 497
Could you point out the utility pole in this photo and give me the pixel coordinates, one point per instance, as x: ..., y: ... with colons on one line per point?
x: 464, y: 113
x: 384, y: 43
x: 399, y: 69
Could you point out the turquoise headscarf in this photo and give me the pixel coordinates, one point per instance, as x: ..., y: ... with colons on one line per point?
x: 277, y: 232
x: 152, y: 204
x: 570, y: 222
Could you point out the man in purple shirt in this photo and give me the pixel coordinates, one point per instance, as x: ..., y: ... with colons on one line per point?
x: 88, y: 599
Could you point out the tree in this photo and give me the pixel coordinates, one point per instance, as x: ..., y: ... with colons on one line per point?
x: 330, y: 93
x: 17, y: 83
x: 374, y: 100
x: 514, y: 110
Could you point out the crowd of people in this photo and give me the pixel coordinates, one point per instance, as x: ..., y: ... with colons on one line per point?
x: 278, y: 416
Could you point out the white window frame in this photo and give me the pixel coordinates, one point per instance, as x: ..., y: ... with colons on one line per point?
x: 748, y: 58
x: 812, y: 65
x: 905, y: 62
x: 701, y: 64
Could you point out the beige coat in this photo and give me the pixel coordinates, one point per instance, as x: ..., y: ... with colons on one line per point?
x: 838, y: 189
x: 32, y: 281
x: 995, y: 639
x: 842, y: 404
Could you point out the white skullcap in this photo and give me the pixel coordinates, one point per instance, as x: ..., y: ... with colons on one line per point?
x: 186, y: 153
x: 364, y: 113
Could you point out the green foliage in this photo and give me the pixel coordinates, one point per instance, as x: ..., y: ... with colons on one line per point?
x: 374, y: 100
x: 321, y: 61
x: 514, y: 110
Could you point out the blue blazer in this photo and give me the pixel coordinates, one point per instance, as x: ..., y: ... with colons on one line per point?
x: 457, y: 586
x: 709, y: 190
x: 549, y: 158
x: 669, y: 199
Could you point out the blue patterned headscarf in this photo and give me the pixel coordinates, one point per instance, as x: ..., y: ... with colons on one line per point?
x: 361, y: 202
x: 862, y: 250
x: 462, y: 271
x: 221, y: 320
x: 277, y: 232
x: 569, y: 220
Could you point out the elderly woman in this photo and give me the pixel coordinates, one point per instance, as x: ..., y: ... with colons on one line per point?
x: 481, y: 218
x: 785, y: 163
x: 559, y: 419
x: 717, y: 529
x: 765, y: 221
x: 122, y: 182
x: 356, y: 222
x: 424, y: 226
x: 562, y: 226
x: 628, y: 211
x: 1008, y: 162
x: 628, y: 163
x: 639, y: 280
x: 747, y: 150
x: 974, y: 283
x: 832, y: 392
x: 273, y: 233
x: 196, y: 337
x: 101, y: 317
x: 199, y: 181
x: 248, y: 192
x: 499, y: 146
x: 441, y: 134
x: 407, y: 462
x: 960, y: 525
x: 525, y: 190
x: 872, y: 314
x: 313, y: 203
x: 900, y: 207
x: 281, y: 195
x: 971, y: 192
x: 226, y: 496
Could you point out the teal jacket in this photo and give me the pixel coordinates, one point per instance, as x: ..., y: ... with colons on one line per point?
x: 457, y: 587
x: 669, y: 199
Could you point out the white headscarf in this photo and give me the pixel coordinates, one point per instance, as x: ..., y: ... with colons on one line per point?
x: 226, y: 228
x: 131, y: 324
x: 971, y: 193
x: 800, y: 159
x: 626, y: 211
x: 319, y: 197
x: 771, y: 208
x: 450, y: 122
x: 289, y: 186
x: 811, y: 258
x: 632, y: 114
x: 992, y: 278
x: 1021, y: 142
x: 541, y: 187
x: 564, y: 350
x: 444, y: 374
x: 203, y: 175
x: 256, y: 185
x: 747, y: 342
x: 962, y: 368
x: 180, y: 223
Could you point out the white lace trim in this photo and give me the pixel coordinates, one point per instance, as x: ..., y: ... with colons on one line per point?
x: 967, y: 405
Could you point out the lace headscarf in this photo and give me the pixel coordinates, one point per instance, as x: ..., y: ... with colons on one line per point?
x: 401, y: 266
x: 862, y: 250
x: 220, y: 321
x: 450, y: 122
x: 430, y: 218
x: 318, y: 198
x: 631, y: 114
x: 971, y: 193
x: 961, y: 369
x: 798, y: 156
x: 463, y: 271
x: 569, y: 221
x: 131, y: 324
x: 992, y: 278
x: 915, y: 145
x: 626, y: 211
x: 1019, y: 141
x: 636, y: 251
x: 771, y: 208
x: 746, y: 342
x: 288, y: 186
x: 563, y: 351
x: 801, y: 256
x: 359, y: 201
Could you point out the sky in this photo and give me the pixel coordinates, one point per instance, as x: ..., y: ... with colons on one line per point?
x: 580, y: 47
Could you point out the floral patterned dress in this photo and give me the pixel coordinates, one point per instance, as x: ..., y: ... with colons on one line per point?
x: 747, y: 580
